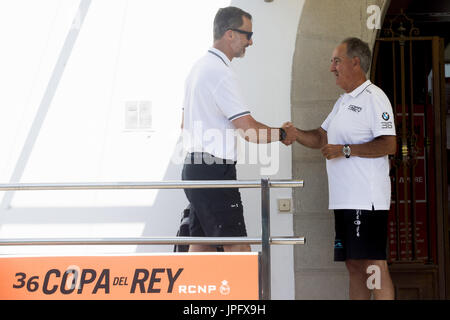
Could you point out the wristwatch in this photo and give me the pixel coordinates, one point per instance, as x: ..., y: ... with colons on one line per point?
x: 282, y: 134
x: 346, y: 151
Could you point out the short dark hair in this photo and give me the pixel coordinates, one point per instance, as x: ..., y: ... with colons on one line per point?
x: 358, y: 48
x: 228, y: 18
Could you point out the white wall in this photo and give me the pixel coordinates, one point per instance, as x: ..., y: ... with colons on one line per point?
x: 265, y: 76
x: 134, y: 50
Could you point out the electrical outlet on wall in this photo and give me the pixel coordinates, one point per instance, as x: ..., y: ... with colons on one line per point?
x: 284, y: 205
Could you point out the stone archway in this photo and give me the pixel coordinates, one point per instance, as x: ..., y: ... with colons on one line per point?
x: 323, y: 24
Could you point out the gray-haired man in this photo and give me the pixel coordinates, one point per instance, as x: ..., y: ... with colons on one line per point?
x: 356, y: 139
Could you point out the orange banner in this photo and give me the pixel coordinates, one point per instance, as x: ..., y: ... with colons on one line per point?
x: 178, y: 276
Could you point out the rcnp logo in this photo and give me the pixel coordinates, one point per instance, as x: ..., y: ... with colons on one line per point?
x: 224, y: 288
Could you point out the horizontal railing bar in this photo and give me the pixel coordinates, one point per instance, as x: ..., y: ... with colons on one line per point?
x: 285, y: 183
x: 287, y: 240
x: 174, y: 184
x: 148, y: 241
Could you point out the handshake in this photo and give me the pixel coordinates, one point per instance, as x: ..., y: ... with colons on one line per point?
x: 318, y: 139
x: 291, y: 133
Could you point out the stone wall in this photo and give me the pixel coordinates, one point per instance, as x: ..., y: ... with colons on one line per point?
x: 323, y: 25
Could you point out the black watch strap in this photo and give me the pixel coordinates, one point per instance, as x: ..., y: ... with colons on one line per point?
x: 282, y: 134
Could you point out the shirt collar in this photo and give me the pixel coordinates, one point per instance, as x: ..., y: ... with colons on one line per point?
x: 360, y: 89
x: 221, y: 55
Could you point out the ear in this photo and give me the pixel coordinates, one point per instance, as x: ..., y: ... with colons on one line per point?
x: 229, y: 34
x: 356, y: 61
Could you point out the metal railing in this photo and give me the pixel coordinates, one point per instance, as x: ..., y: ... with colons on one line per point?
x: 266, y: 240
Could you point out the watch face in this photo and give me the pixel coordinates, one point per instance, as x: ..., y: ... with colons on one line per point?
x: 346, y: 151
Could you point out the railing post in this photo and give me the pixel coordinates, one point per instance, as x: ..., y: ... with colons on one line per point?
x: 265, y: 225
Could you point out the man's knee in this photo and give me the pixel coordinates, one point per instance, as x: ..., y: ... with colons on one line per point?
x: 381, y: 264
x: 363, y: 266
x: 356, y: 266
x: 201, y: 248
x: 237, y: 248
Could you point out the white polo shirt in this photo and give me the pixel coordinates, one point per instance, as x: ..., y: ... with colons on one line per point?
x: 358, y: 117
x: 212, y: 100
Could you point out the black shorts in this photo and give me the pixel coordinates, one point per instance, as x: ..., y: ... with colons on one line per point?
x: 215, y: 212
x: 360, y: 234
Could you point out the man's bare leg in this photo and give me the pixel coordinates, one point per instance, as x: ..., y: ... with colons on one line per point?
x: 386, y: 291
x: 358, y: 289
x: 202, y: 248
x: 237, y: 248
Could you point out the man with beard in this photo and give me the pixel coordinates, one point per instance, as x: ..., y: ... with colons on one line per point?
x: 213, y: 108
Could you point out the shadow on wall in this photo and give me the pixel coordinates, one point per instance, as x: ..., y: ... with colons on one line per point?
x: 166, y: 211
x: 160, y: 219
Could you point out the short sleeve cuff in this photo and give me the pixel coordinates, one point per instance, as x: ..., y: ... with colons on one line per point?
x: 241, y: 114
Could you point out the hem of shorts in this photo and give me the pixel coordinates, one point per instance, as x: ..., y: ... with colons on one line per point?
x: 231, y: 159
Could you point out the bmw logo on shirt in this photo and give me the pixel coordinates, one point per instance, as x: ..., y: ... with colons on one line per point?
x: 385, y: 116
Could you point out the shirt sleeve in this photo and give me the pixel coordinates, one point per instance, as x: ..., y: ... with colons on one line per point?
x: 382, y: 117
x: 229, y: 100
x: 331, y: 115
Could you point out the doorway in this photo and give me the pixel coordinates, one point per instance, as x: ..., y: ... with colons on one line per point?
x: 410, y: 67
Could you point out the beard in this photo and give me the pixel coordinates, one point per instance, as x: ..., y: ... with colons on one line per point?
x: 242, y: 53
x: 238, y: 48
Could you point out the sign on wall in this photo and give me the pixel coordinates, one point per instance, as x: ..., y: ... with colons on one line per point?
x: 159, y: 276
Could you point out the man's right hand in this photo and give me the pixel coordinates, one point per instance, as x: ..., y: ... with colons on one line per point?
x: 291, y: 133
